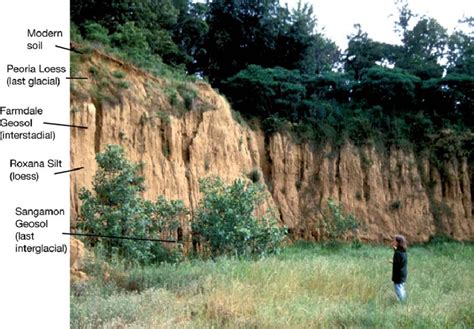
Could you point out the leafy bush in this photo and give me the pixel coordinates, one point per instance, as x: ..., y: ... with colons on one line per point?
x: 188, y: 93
x: 441, y: 239
x: 164, y: 117
x: 393, y: 89
x: 274, y: 124
x: 75, y: 33
x: 118, y: 74
x: 330, y: 86
x: 451, y: 98
x: 123, y: 85
x: 117, y: 209
x: 95, y: 32
x: 225, y: 219
x: 305, y: 132
x: 336, y: 224
x: 359, y: 127
x: 264, y: 91
x: 133, y: 40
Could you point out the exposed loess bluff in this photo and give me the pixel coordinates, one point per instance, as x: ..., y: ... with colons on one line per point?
x: 182, y: 138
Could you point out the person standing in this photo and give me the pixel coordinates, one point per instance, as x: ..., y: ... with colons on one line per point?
x: 400, y: 268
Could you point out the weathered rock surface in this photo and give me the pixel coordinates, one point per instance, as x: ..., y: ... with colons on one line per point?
x: 391, y: 192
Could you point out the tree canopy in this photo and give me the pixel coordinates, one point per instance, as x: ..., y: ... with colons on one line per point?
x: 274, y: 63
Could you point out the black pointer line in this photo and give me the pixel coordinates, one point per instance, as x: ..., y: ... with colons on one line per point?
x: 77, y: 78
x: 119, y: 237
x: 73, y: 50
x: 62, y: 172
x: 64, y: 125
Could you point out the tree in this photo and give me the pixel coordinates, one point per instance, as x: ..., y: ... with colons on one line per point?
x: 153, y: 20
x: 117, y: 209
x: 363, y: 53
x: 263, y: 92
x: 423, y: 48
x: 404, y: 16
x: 294, y: 38
x: 423, y: 45
x: 96, y: 33
x: 450, y: 98
x: 225, y: 219
x: 330, y: 86
x: 240, y: 33
x: 321, y: 56
x: 461, y: 50
x: 190, y: 33
x: 149, y: 14
x: 393, y: 89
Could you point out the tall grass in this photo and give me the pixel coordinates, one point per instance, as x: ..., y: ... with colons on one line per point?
x: 306, y: 286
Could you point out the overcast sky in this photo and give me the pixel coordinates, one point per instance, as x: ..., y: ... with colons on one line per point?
x: 377, y: 17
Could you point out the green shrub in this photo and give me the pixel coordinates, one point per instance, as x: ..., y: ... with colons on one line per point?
x: 123, y: 85
x: 164, y: 117
x: 225, y: 219
x: 94, y: 71
x: 260, y: 91
x: 359, y: 128
x: 274, y: 124
x: 305, y: 132
x: 188, y: 93
x: 75, y: 34
x: 117, y: 209
x: 133, y: 39
x: 74, y: 64
x: 441, y: 239
x: 130, y: 43
x: 393, y: 89
x: 118, y: 74
x: 172, y: 96
x: 336, y: 224
x: 96, y: 33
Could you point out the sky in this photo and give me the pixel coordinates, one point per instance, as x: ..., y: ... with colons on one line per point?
x: 377, y: 17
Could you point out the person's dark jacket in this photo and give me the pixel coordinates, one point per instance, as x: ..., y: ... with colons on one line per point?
x: 399, y: 270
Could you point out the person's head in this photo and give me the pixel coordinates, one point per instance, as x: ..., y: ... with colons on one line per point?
x: 400, y: 242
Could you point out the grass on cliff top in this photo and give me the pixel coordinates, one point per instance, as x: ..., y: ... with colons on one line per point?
x: 306, y: 286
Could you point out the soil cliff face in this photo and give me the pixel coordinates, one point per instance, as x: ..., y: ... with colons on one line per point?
x: 183, y: 132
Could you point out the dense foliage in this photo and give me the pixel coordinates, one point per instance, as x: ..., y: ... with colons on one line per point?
x: 273, y: 63
x: 117, y: 209
x: 337, y: 223
x: 225, y: 219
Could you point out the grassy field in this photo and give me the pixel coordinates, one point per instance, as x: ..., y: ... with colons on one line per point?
x: 306, y: 286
